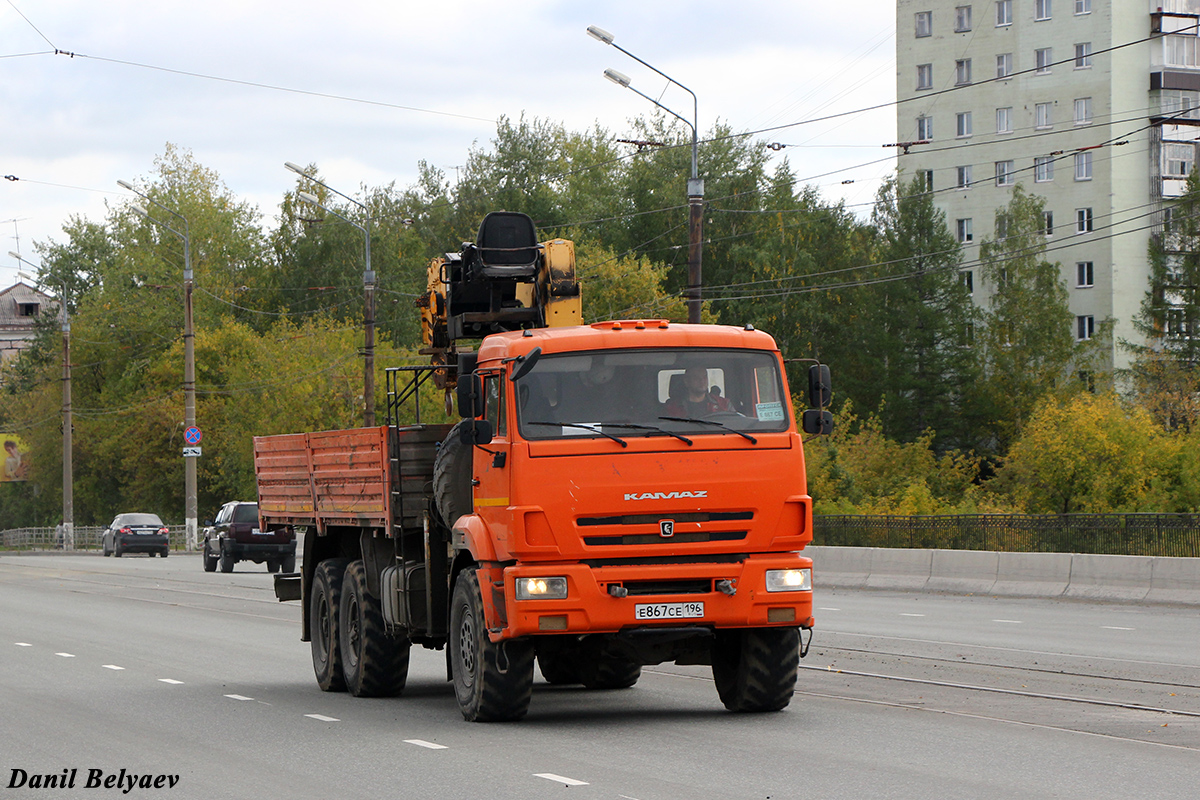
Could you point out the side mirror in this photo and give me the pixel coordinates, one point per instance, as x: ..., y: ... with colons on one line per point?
x: 817, y: 421
x: 208, y: 522
x: 525, y: 363
x: 470, y: 395
x: 476, y: 432
x: 820, y: 388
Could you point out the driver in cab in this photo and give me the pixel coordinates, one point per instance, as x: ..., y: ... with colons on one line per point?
x: 696, y: 398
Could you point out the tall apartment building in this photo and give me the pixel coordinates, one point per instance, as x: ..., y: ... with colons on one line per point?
x: 1093, y: 105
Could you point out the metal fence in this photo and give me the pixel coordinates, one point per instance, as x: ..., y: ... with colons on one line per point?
x: 1107, y: 534
x: 86, y: 538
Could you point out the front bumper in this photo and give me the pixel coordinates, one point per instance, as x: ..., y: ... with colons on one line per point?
x: 592, y: 607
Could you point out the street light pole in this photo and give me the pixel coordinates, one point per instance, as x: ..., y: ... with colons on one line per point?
x: 68, y: 465
x: 191, y: 517
x: 368, y: 292
x: 695, y: 186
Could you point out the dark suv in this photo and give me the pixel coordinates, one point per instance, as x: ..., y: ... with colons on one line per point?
x: 234, y: 536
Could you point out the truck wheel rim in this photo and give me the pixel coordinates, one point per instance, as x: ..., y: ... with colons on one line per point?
x: 466, y: 647
x: 323, y: 624
x: 352, y: 634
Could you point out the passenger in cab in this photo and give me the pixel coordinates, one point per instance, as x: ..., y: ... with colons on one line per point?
x: 694, y: 398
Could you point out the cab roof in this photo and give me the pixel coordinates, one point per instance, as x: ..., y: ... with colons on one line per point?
x: 623, y: 334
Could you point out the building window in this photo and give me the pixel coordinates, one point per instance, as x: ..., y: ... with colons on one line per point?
x: 1083, y: 166
x: 964, y: 230
x: 1001, y: 227
x: 1044, y: 58
x: 1004, y: 120
x: 1083, y: 6
x: 1083, y: 55
x: 962, y: 19
x: 1088, y: 380
x: 924, y: 23
x: 1085, y: 327
x: 962, y: 71
x: 962, y: 123
x: 27, y: 309
x: 1041, y: 9
x: 1083, y: 111
x: 1180, y: 50
x: 1179, y: 158
x: 1004, y: 65
x: 1085, y: 275
x: 1042, y: 115
x: 1004, y: 173
x: 1083, y: 220
x: 924, y: 76
x: 1043, y: 169
x: 1003, y: 13
x: 1047, y: 223
x: 964, y: 177
x: 968, y: 280
x: 924, y: 128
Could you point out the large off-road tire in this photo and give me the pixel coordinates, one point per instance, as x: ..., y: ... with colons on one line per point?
x: 374, y: 664
x: 755, y: 669
x: 559, y: 667
x: 289, y: 563
x: 608, y: 672
x: 493, y: 682
x: 452, y: 477
x: 324, y: 609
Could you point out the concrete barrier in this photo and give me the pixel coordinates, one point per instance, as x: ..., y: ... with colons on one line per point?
x: 1084, y: 576
x: 1096, y: 577
x: 1175, y: 580
x: 962, y: 571
x: 1032, y: 574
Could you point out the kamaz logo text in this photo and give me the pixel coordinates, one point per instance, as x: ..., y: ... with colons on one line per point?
x: 664, y: 495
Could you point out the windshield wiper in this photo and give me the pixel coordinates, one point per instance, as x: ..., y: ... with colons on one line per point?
x: 587, y: 426
x: 654, y: 428
x: 742, y: 434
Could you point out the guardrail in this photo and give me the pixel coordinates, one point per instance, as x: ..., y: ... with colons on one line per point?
x: 1173, y: 535
x: 86, y: 538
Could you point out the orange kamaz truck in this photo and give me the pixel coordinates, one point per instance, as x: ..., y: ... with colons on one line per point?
x: 618, y: 494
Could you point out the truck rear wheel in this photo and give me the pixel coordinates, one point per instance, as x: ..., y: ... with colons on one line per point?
x: 452, y: 477
x: 755, y: 669
x: 492, y: 681
x: 559, y: 667
x: 374, y: 664
x: 324, y: 608
x: 608, y: 672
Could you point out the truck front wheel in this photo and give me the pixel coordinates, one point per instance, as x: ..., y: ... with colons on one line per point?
x: 324, y: 607
x: 755, y: 669
x: 492, y: 681
x: 374, y: 664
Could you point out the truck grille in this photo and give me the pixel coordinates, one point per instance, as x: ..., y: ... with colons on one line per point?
x: 652, y: 519
x: 654, y: 538
x: 643, y: 588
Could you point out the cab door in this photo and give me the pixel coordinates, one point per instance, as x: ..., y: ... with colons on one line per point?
x: 491, y: 461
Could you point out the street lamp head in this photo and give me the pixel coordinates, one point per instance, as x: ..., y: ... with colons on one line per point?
x: 126, y: 185
x: 141, y: 210
x: 309, y: 198
x: 599, y: 34
x: 619, y: 78
x: 295, y: 168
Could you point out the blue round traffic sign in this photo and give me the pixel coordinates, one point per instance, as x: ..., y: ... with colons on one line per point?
x: 193, y: 435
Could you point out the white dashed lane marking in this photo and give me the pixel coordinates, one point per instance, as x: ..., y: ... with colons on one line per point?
x: 65, y: 655
x: 423, y: 743
x: 1116, y: 628
x: 826, y: 608
x: 22, y: 644
x: 912, y: 615
x: 1008, y: 621
x: 238, y: 697
x: 111, y: 666
x: 550, y: 776
x: 322, y: 718
x: 171, y: 681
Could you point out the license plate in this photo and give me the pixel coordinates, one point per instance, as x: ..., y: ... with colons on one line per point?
x: 651, y: 611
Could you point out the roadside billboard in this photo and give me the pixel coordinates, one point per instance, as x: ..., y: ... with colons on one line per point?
x: 15, y: 464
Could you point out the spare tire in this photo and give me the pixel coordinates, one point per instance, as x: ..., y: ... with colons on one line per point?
x: 452, y: 476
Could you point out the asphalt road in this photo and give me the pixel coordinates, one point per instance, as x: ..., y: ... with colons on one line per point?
x: 157, y: 668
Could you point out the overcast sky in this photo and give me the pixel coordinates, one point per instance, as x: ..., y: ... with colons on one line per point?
x: 375, y: 87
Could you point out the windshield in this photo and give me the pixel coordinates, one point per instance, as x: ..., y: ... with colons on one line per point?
x: 137, y: 519
x: 638, y: 393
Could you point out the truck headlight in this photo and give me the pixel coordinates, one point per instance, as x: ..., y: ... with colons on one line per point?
x: 541, y: 588
x: 789, y: 580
